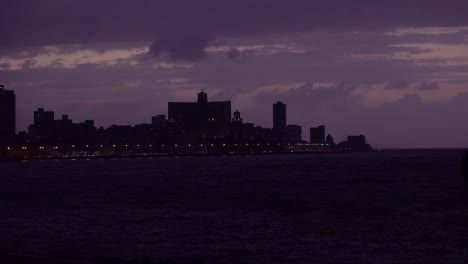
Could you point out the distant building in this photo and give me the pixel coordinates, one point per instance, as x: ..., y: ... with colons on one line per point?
x: 279, y: 121
x: 330, y: 140
x: 159, y: 122
x: 294, y: 134
x: 317, y: 135
x: 279, y: 115
x: 7, y: 115
x: 236, y: 126
x: 202, y: 119
x: 357, y: 142
x: 43, y: 128
x: 44, y: 119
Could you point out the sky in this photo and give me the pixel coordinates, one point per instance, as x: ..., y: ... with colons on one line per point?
x: 396, y: 71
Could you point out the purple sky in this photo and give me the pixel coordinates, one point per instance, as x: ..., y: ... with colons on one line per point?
x: 396, y: 71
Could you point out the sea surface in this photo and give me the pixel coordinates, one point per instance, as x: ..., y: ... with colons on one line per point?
x: 395, y: 206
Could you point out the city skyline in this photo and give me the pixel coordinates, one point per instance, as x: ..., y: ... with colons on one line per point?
x: 279, y: 114
x: 202, y: 127
x: 394, y: 69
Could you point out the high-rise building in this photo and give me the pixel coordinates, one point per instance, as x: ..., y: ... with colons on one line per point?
x: 279, y: 115
x: 201, y: 119
x: 7, y: 114
x: 357, y: 142
x: 330, y: 140
x: 43, y: 127
x: 236, y: 126
x: 317, y: 135
x: 44, y: 119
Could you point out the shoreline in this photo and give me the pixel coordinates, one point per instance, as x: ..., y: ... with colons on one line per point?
x: 160, y: 155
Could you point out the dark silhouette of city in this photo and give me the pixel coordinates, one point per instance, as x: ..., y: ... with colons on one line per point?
x: 201, y: 127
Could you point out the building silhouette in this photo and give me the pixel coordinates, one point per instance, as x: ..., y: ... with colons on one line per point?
x: 279, y: 115
x: 201, y: 120
x: 294, y: 134
x: 200, y: 127
x: 43, y: 128
x: 7, y: 115
x: 317, y: 135
x: 236, y: 127
x: 357, y: 143
x: 279, y: 121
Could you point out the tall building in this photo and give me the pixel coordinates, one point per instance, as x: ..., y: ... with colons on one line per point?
x: 44, y: 119
x: 43, y: 127
x: 317, y: 135
x: 279, y: 115
x: 279, y: 122
x: 357, y: 142
x: 236, y: 126
x: 201, y: 119
x: 7, y: 114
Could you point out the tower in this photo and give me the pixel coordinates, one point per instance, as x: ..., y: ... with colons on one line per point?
x: 279, y: 116
x: 317, y: 135
x: 7, y: 114
x: 202, y: 97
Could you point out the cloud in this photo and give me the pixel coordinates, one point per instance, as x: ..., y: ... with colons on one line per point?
x: 428, y: 86
x: 406, y: 122
x: 188, y: 48
x: 396, y: 85
x: 308, y: 95
x: 54, y: 22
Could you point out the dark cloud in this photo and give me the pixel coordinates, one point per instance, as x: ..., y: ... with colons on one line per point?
x: 48, y: 22
x: 396, y: 85
x: 181, y: 48
x: 308, y: 96
x: 428, y: 86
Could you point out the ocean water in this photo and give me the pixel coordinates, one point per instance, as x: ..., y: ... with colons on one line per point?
x: 398, y: 206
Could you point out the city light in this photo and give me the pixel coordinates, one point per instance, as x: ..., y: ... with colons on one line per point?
x: 186, y: 122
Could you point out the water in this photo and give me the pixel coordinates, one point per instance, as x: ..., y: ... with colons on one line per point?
x: 391, y: 207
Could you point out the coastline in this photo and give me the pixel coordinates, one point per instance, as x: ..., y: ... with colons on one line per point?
x: 159, y: 155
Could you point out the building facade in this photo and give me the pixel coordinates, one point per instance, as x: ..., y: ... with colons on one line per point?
x: 201, y: 120
x: 317, y: 135
x: 7, y: 115
x: 279, y: 115
x: 294, y: 134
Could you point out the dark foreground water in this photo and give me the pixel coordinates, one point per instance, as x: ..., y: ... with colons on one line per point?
x: 389, y: 207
